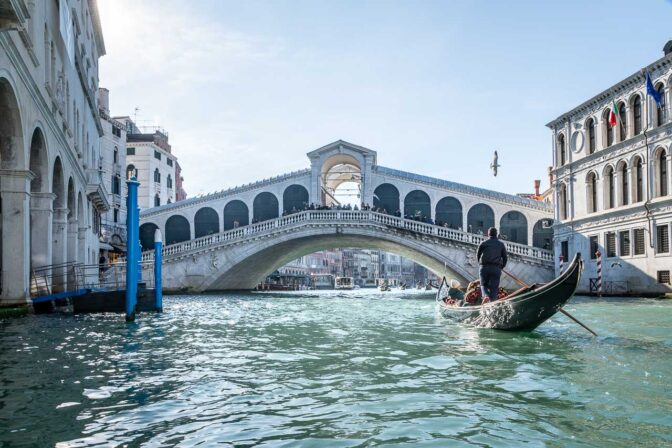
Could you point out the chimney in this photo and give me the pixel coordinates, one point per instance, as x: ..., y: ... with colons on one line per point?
x: 667, y: 49
x: 104, y: 100
x: 537, y: 184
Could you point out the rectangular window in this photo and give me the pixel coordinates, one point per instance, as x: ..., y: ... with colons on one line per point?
x: 611, y: 244
x: 116, y: 215
x: 664, y: 277
x: 157, y: 155
x: 624, y: 241
x: 594, y: 246
x: 640, y: 243
x: 169, y: 161
x: 130, y: 151
x: 116, y: 131
x: 564, y: 250
x: 663, y: 239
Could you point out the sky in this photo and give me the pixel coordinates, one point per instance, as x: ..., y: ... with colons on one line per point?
x: 245, y: 89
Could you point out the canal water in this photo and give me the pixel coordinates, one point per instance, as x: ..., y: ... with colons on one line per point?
x: 336, y: 369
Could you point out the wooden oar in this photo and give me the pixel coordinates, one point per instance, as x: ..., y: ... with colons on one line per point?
x: 559, y: 309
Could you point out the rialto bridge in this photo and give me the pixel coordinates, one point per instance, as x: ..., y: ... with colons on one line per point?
x: 233, y: 238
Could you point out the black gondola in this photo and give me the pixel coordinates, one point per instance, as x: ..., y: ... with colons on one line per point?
x: 525, y: 309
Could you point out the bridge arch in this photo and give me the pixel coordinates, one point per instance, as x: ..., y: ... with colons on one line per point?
x: 418, y: 204
x: 236, y: 214
x: 480, y: 218
x: 449, y: 213
x: 386, y: 197
x: 294, y: 198
x: 513, y: 227
x: 147, y: 231
x: 264, y: 207
x: 177, y: 229
x: 206, y: 222
x: 542, y: 236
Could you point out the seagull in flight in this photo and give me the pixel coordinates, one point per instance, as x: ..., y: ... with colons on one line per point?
x: 495, y: 164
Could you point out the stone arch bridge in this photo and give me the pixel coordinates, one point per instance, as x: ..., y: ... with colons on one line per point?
x: 232, y: 239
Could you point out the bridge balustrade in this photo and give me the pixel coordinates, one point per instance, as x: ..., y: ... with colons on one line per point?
x: 348, y: 216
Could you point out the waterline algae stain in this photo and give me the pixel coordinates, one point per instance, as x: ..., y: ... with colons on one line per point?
x: 354, y: 368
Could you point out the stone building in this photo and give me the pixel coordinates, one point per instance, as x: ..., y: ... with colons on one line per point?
x: 112, y: 165
x: 50, y: 184
x: 612, y: 184
x: 149, y: 157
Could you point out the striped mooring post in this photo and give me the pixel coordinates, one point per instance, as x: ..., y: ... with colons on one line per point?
x: 598, y: 254
x: 562, y: 264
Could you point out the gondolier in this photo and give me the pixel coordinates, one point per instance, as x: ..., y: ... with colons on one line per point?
x: 492, y: 258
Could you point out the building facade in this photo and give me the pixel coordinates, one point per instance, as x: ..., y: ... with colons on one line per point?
x: 50, y: 184
x: 113, y: 166
x: 150, y: 160
x: 612, y: 184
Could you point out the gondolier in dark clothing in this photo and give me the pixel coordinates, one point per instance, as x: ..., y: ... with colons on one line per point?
x: 492, y: 259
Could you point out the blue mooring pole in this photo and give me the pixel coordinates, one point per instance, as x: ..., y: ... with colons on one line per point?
x: 133, y: 253
x: 158, y: 291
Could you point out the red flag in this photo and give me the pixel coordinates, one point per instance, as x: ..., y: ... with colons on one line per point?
x: 612, y: 115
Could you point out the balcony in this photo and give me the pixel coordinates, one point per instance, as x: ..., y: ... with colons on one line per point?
x: 95, y: 190
x: 113, y: 234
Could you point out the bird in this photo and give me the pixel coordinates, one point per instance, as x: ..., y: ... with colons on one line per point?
x: 494, y: 165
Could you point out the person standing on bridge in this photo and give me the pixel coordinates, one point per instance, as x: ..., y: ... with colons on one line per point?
x: 492, y: 258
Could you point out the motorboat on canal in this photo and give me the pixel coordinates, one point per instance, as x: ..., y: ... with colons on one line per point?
x: 522, y: 310
x: 344, y: 283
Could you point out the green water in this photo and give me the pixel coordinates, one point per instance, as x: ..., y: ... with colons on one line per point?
x: 356, y: 368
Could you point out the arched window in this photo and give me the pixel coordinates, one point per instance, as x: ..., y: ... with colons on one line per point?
x: 661, y: 174
x: 609, y: 131
x: 637, y: 114
x: 513, y: 227
x: 562, y: 201
x: 177, y: 229
x: 236, y: 214
x: 386, y: 198
x: 206, y: 222
x: 169, y: 181
x: 638, y: 181
x: 480, y: 218
x: 623, y: 125
x: 147, y: 235
x: 590, y: 126
x: 625, y: 184
x: 562, y: 156
x: 542, y: 235
x: 131, y: 172
x: 417, y: 205
x: 610, y: 188
x: 294, y: 199
x: 449, y: 213
x: 591, y: 193
x: 157, y: 176
x: 265, y: 207
x: 660, y: 111
x: 157, y: 200
x: 115, y: 156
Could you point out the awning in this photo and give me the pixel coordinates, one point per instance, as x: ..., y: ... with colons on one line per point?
x: 105, y: 246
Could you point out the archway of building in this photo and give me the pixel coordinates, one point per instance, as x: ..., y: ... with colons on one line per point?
x: 449, y: 213
x: 386, y: 198
x: 13, y: 211
x: 417, y: 205
x: 58, y: 227
x: 294, y: 199
x: 480, y: 218
x: 177, y: 230
x: 341, y: 179
x: 72, y: 233
x: 513, y: 227
x: 206, y: 222
x: 236, y: 214
x: 264, y: 207
x: 251, y: 270
x: 40, y: 203
x: 542, y: 235
x: 147, y: 231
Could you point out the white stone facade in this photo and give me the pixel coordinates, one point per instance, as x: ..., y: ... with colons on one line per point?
x: 613, y: 185
x: 51, y: 187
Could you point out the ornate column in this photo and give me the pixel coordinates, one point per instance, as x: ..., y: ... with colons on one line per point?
x: 72, y: 252
x: 15, y: 191
x: 59, y: 248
